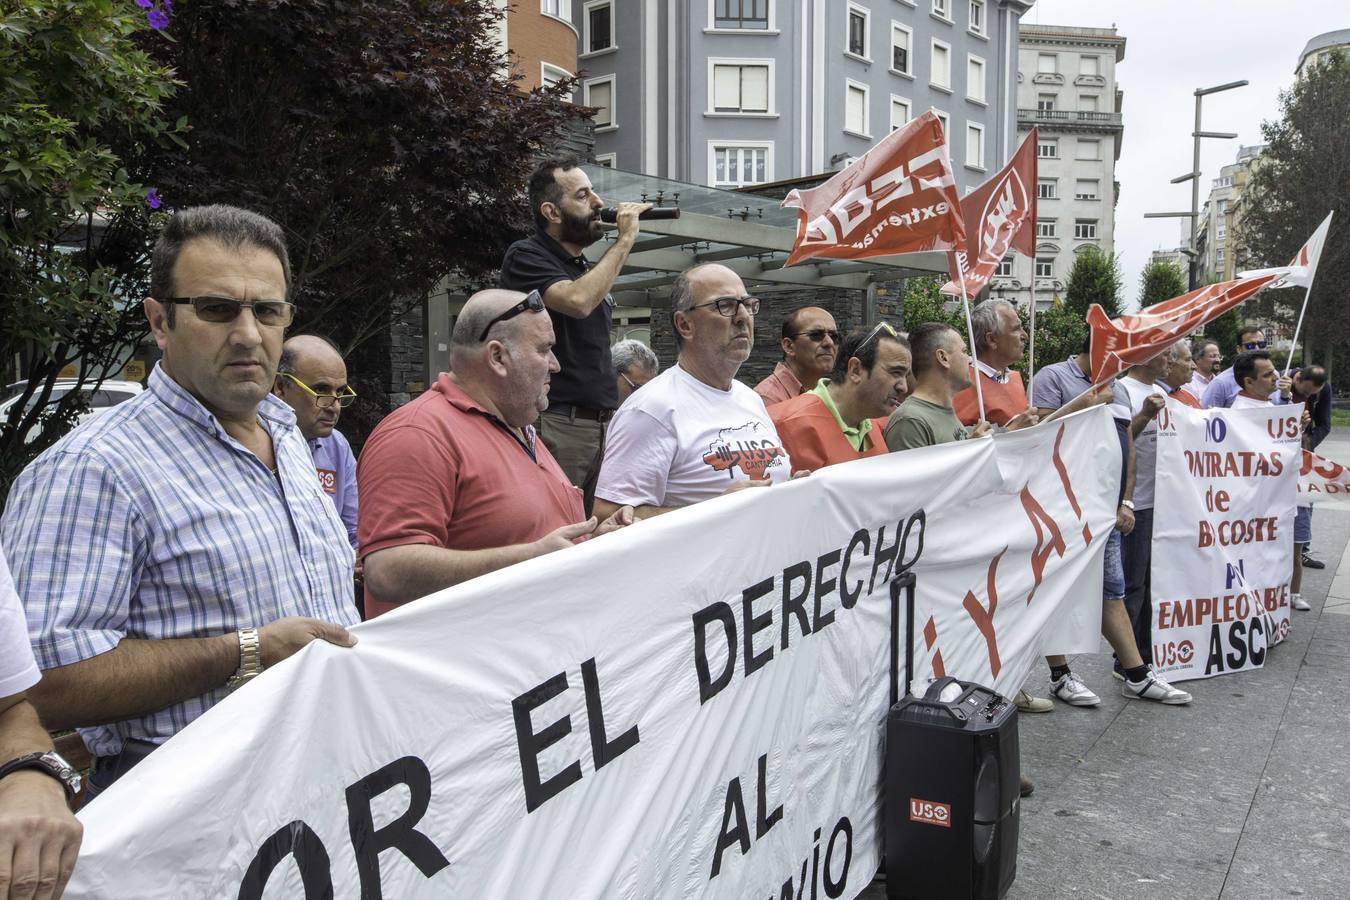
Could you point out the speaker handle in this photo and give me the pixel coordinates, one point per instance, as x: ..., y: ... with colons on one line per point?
x: 904, y: 581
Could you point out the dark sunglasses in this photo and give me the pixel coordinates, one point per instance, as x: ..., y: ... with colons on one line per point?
x: 532, y: 302
x: 818, y: 335
x: 1254, y: 345
x: 273, y: 313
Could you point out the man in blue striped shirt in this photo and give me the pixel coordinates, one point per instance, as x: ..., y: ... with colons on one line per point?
x: 168, y: 551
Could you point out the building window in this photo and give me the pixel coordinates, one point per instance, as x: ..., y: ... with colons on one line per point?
x: 1086, y: 189
x: 1089, y: 65
x: 1045, y: 268
x: 901, y: 38
x: 1085, y: 229
x: 975, y: 78
x: 1047, y: 188
x: 551, y: 75
x: 1045, y: 103
x: 1089, y: 148
x: 1220, y: 231
x: 941, y: 69
x: 899, y: 112
x: 607, y: 160
x: 974, y: 145
x: 1047, y: 148
x: 1218, y: 257
x: 562, y: 9
x: 738, y: 165
x: 977, y: 16
x: 1087, y: 102
x: 857, y: 30
x: 599, y: 22
x: 946, y: 124
x: 942, y: 8
x: 855, y: 108
x: 600, y: 94
x: 1005, y: 267
x: 740, y: 88
x: 1047, y: 63
x: 1047, y: 228
x: 752, y: 15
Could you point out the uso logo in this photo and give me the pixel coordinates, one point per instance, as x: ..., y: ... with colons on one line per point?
x: 930, y: 812
x: 328, y: 480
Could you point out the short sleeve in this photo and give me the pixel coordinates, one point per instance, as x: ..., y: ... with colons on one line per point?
x: 1047, y: 391
x: 908, y: 432
x: 76, y: 543
x: 639, y: 451
x: 529, y: 267
x: 407, y: 480
x: 18, y: 668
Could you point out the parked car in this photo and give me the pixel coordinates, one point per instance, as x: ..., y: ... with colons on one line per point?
x: 109, y: 394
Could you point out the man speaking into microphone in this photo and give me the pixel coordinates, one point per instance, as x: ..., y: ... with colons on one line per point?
x: 582, y: 396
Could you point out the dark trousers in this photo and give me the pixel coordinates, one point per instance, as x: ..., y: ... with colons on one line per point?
x: 1136, y: 549
x: 108, y: 769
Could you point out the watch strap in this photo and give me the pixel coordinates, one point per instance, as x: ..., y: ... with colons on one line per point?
x: 250, y: 658
x: 50, y: 763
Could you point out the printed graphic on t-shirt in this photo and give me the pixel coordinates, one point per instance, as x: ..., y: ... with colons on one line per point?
x: 749, y: 447
x: 327, y: 480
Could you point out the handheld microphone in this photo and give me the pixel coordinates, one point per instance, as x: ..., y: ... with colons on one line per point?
x: 611, y: 215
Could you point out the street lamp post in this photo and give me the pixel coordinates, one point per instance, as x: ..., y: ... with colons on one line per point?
x: 1193, y: 176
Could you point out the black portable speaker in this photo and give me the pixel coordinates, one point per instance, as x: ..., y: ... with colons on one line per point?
x: 952, y: 787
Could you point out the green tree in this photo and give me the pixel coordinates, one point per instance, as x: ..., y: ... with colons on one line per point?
x: 925, y: 302
x: 1160, y: 280
x: 1094, y: 278
x: 1060, y: 332
x: 80, y: 104
x: 1224, y: 331
x: 1303, y: 173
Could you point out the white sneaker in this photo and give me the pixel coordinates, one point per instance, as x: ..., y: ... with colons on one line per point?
x: 1153, y: 687
x: 1072, y: 691
x: 1297, y: 602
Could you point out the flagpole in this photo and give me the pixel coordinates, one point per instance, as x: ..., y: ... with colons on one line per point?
x: 1307, y: 293
x: 970, y: 330
x: 1031, y: 360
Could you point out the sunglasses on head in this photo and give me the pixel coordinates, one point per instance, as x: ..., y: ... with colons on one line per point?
x: 532, y: 302
x: 275, y: 313
x: 882, y: 328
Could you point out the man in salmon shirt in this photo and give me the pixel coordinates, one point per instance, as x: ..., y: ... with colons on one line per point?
x: 834, y: 422
x: 999, y: 341
x: 456, y: 483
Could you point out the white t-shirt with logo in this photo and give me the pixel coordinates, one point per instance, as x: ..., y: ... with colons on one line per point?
x: 679, y: 441
x: 1146, y: 445
x: 18, y: 669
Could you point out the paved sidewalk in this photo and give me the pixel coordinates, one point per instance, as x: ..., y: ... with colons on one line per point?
x: 1243, y: 794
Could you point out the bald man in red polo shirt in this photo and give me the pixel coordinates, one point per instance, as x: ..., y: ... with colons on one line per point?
x: 456, y: 484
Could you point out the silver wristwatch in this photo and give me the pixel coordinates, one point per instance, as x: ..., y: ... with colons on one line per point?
x: 1128, y: 504
x: 250, y: 658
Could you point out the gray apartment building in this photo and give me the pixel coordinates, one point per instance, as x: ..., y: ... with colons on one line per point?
x: 732, y: 93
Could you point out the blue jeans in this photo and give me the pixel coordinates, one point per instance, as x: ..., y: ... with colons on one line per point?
x: 1113, y: 570
x: 1136, y: 548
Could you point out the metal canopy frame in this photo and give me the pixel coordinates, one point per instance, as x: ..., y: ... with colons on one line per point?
x: 749, y: 234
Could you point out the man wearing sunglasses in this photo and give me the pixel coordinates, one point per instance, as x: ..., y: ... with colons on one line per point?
x: 1224, y: 388
x: 694, y: 432
x: 173, y: 548
x: 576, y: 292
x: 456, y: 484
x: 312, y: 380
x: 810, y: 345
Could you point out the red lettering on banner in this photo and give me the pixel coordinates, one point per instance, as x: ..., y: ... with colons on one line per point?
x: 930, y: 638
x: 984, y: 619
x: 1047, y: 541
x: 1068, y: 489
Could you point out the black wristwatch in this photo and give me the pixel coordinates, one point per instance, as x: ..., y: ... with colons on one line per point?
x: 52, y: 764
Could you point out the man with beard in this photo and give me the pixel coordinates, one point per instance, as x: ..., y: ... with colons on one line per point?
x: 454, y: 484
x: 810, y: 345
x: 576, y: 292
x: 833, y: 422
x: 694, y: 432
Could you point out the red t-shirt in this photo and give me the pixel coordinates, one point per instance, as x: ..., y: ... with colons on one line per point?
x: 812, y: 437
x: 444, y: 471
x: 1001, y: 401
x: 1183, y: 396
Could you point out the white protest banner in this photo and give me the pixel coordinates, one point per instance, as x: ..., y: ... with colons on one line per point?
x: 691, y: 707
x: 1223, y: 531
x: 1320, y: 477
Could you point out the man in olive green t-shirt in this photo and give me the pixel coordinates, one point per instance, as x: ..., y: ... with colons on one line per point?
x: 941, y: 369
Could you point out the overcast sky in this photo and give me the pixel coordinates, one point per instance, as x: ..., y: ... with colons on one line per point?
x: 1173, y: 47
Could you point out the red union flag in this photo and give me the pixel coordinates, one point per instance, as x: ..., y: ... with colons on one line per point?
x: 1321, y: 477
x: 1002, y: 215
x: 898, y: 197
x: 1128, y: 341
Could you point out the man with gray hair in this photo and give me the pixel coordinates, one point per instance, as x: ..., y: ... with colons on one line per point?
x: 999, y: 341
x: 456, y: 483
x: 694, y: 432
x: 170, y: 549
x: 634, y: 365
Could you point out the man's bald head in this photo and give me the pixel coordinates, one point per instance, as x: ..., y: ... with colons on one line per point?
x: 508, y: 372
x: 310, y: 374
x: 478, y: 311
x: 303, y: 349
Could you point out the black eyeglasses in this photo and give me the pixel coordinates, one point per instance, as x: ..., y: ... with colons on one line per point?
x: 727, y: 305
x: 882, y: 327
x: 532, y: 302
x: 1254, y: 345
x: 273, y: 313
x: 819, y: 334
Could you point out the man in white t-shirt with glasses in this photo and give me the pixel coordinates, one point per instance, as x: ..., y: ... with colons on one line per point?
x: 694, y: 432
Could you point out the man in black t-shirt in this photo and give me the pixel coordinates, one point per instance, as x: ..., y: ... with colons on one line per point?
x: 582, y: 395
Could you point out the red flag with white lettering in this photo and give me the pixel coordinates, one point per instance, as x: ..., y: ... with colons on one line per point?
x: 898, y: 197
x: 1128, y: 341
x: 1321, y: 477
x: 1001, y: 215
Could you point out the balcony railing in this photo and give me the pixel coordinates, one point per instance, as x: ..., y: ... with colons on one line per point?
x: 1069, y: 117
